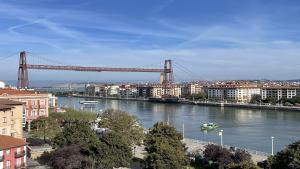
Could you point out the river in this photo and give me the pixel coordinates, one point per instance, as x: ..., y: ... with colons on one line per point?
x: 248, y: 128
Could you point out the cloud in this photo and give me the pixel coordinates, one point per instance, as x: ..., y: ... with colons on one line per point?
x: 240, y: 48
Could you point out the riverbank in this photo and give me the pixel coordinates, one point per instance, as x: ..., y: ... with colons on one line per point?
x: 203, y: 103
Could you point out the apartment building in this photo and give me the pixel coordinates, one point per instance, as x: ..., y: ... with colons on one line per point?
x: 12, y: 118
x: 36, y: 104
x: 279, y: 92
x: 157, y: 91
x: 145, y: 91
x: 233, y: 92
x: 191, y: 88
x: 12, y: 153
x: 128, y: 91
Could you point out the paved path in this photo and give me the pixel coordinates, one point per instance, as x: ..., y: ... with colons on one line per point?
x: 199, y: 146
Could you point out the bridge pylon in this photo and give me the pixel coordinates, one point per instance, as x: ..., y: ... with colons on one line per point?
x: 23, y: 71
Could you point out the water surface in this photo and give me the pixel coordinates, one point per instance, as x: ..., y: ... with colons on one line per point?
x: 249, y: 128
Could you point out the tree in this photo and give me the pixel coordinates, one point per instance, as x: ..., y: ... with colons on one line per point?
x: 124, y: 124
x: 106, y: 152
x: 271, y: 100
x: 116, y: 151
x: 256, y: 98
x: 198, y: 96
x: 240, y: 156
x: 242, y: 165
x: 217, y: 154
x: 219, y: 157
x: 67, y: 157
x: 45, y: 127
x: 72, y: 116
x: 80, y: 134
x: 289, y: 158
x: 165, y: 149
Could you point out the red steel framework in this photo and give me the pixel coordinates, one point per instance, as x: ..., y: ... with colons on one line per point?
x: 23, y: 70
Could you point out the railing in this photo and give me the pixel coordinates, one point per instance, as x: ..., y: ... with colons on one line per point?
x: 19, y: 154
x: 22, y: 165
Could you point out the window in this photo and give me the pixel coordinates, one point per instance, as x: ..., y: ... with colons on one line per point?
x: 8, y: 152
x: 4, y: 131
x: 4, y: 119
x: 8, y: 164
x: 12, y: 113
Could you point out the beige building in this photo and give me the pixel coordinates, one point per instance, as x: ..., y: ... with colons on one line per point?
x: 11, y: 118
x: 191, y: 88
x: 233, y: 92
x: 279, y: 92
x: 36, y: 104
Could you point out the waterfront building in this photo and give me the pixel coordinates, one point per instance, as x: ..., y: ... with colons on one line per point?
x: 145, y: 91
x: 128, y: 91
x: 233, y: 92
x: 279, y: 92
x: 12, y: 152
x: 191, y: 88
x: 113, y: 90
x: 177, y: 90
x: 36, y: 104
x: 12, y: 118
x: 157, y: 91
x: 97, y: 90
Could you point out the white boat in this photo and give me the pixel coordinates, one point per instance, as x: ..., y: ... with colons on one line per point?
x: 88, y: 102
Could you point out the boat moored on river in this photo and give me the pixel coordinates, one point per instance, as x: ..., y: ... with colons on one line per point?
x: 88, y: 102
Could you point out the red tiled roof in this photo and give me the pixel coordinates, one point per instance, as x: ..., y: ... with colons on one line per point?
x: 7, y: 142
x: 10, y: 91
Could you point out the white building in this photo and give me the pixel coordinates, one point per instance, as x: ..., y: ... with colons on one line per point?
x: 2, y: 85
x: 279, y: 92
x: 233, y: 92
x: 113, y: 90
x: 52, y: 100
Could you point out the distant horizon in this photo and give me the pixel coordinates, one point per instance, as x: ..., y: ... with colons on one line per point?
x: 44, y: 83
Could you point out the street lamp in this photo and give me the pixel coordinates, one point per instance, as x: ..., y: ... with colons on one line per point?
x: 183, y: 130
x: 221, y: 136
x: 272, y: 138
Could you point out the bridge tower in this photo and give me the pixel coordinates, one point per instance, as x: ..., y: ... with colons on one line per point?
x: 23, y: 71
x: 168, y: 79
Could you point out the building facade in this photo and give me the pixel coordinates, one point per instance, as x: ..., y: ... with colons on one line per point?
x: 11, y: 118
x: 191, y: 88
x: 36, y: 104
x: 279, y: 92
x: 233, y: 92
x: 12, y: 153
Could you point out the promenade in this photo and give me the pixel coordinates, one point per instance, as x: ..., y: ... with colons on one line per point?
x: 197, y: 147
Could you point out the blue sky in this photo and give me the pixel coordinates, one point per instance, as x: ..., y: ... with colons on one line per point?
x: 207, y: 39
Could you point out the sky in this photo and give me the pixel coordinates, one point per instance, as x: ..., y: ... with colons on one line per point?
x: 206, y: 39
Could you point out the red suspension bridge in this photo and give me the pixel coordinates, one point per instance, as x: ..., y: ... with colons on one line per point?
x: 23, y: 79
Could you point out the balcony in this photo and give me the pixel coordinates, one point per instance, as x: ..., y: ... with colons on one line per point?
x: 1, y: 158
x: 22, y: 165
x: 19, y: 154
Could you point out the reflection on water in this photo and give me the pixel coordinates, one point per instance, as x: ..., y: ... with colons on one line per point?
x: 248, y: 128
